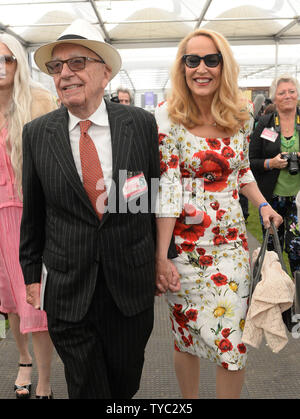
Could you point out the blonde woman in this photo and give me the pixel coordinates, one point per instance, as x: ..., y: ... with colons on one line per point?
x: 21, y: 100
x: 204, y: 130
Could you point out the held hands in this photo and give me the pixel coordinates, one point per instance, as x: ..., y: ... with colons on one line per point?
x: 167, y: 277
x: 33, y: 294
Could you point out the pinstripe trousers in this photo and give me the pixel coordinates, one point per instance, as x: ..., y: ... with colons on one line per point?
x: 103, y: 354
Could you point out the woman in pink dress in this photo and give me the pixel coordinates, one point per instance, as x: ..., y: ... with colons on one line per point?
x: 21, y: 100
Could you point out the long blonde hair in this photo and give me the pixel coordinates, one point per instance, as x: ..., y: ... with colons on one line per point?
x: 229, y: 105
x: 19, y: 112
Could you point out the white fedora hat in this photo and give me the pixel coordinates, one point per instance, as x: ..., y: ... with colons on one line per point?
x: 82, y: 33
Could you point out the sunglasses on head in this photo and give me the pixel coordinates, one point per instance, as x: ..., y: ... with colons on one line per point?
x: 210, y: 60
x: 9, y: 59
x: 74, y: 64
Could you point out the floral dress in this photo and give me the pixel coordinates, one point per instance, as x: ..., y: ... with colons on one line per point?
x: 200, y: 180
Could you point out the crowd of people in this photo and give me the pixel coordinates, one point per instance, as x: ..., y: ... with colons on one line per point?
x: 103, y: 206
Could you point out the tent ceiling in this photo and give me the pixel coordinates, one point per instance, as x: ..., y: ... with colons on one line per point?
x: 147, y: 31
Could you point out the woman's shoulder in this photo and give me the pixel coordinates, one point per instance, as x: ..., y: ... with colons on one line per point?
x: 162, y: 117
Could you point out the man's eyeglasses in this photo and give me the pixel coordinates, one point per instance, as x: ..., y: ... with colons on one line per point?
x: 9, y: 59
x: 74, y: 64
x: 210, y: 60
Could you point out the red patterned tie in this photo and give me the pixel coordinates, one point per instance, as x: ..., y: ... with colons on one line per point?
x: 92, y: 175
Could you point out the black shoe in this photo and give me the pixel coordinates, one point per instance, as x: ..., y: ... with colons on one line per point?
x: 26, y: 387
x: 50, y: 396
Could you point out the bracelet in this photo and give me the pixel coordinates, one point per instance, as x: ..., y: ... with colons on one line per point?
x: 264, y: 204
x: 268, y: 164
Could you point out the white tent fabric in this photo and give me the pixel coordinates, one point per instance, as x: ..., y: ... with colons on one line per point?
x: 265, y: 35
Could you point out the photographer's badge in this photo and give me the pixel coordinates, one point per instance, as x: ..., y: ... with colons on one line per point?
x: 269, y: 134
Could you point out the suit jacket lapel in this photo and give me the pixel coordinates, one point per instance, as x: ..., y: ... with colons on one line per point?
x: 59, y: 142
x: 120, y: 122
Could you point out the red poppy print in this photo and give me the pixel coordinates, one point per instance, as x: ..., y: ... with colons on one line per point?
x: 205, y: 260
x: 226, y: 141
x: 184, y: 171
x: 161, y: 137
x: 201, y: 251
x: 214, y: 170
x: 244, y: 241
x: 225, y: 365
x: 242, y: 348
x: 178, y: 249
x: 214, y: 143
x: 216, y: 230
x: 187, y: 340
x: 232, y: 234
x: 173, y: 162
x: 215, y: 205
x: 179, y: 316
x: 220, y: 214
x: 219, y: 239
x: 187, y: 247
x: 242, y: 172
x: 176, y: 347
x: 225, y: 345
x: 163, y: 167
x: 227, y: 152
x: 192, y: 232
x: 225, y: 332
x: 219, y: 279
x: 235, y: 194
x: 192, y: 314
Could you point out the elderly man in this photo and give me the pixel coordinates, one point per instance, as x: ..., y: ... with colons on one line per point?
x: 85, y: 165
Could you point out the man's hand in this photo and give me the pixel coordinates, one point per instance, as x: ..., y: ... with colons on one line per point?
x: 33, y: 294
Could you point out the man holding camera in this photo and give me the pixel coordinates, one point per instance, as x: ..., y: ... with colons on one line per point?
x: 274, y: 158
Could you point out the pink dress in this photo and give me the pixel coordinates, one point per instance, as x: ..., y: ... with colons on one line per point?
x: 12, y: 287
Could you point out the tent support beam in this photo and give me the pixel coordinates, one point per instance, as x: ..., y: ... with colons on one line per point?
x: 100, y: 21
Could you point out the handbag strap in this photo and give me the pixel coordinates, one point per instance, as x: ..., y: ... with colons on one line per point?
x: 261, y: 256
x: 277, y: 248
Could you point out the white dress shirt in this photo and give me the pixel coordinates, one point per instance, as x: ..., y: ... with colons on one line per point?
x: 99, y: 132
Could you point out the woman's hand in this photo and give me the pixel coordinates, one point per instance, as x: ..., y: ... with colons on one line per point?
x: 167, y: 277
x: 278, y: 162
x: 33, y: 294
x: 267, y: 213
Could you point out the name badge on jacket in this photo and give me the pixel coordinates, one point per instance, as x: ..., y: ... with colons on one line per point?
x: 135, y: 185
x: 269, y: 134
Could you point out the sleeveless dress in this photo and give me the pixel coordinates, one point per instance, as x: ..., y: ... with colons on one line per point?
x: 12, y: 286
x: 200, y: 182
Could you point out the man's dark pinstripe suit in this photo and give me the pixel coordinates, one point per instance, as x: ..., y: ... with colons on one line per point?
x: 95, y: 269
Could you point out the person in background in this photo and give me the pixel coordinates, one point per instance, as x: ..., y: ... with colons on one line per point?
x: 274, y: 158
x: 258, y: 109
x: 204, y: 130
x: 21, y: 100
x: 124, y: 96
x: 271, y: 108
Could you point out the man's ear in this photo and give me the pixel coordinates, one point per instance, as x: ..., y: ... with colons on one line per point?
x: 107, y: 73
